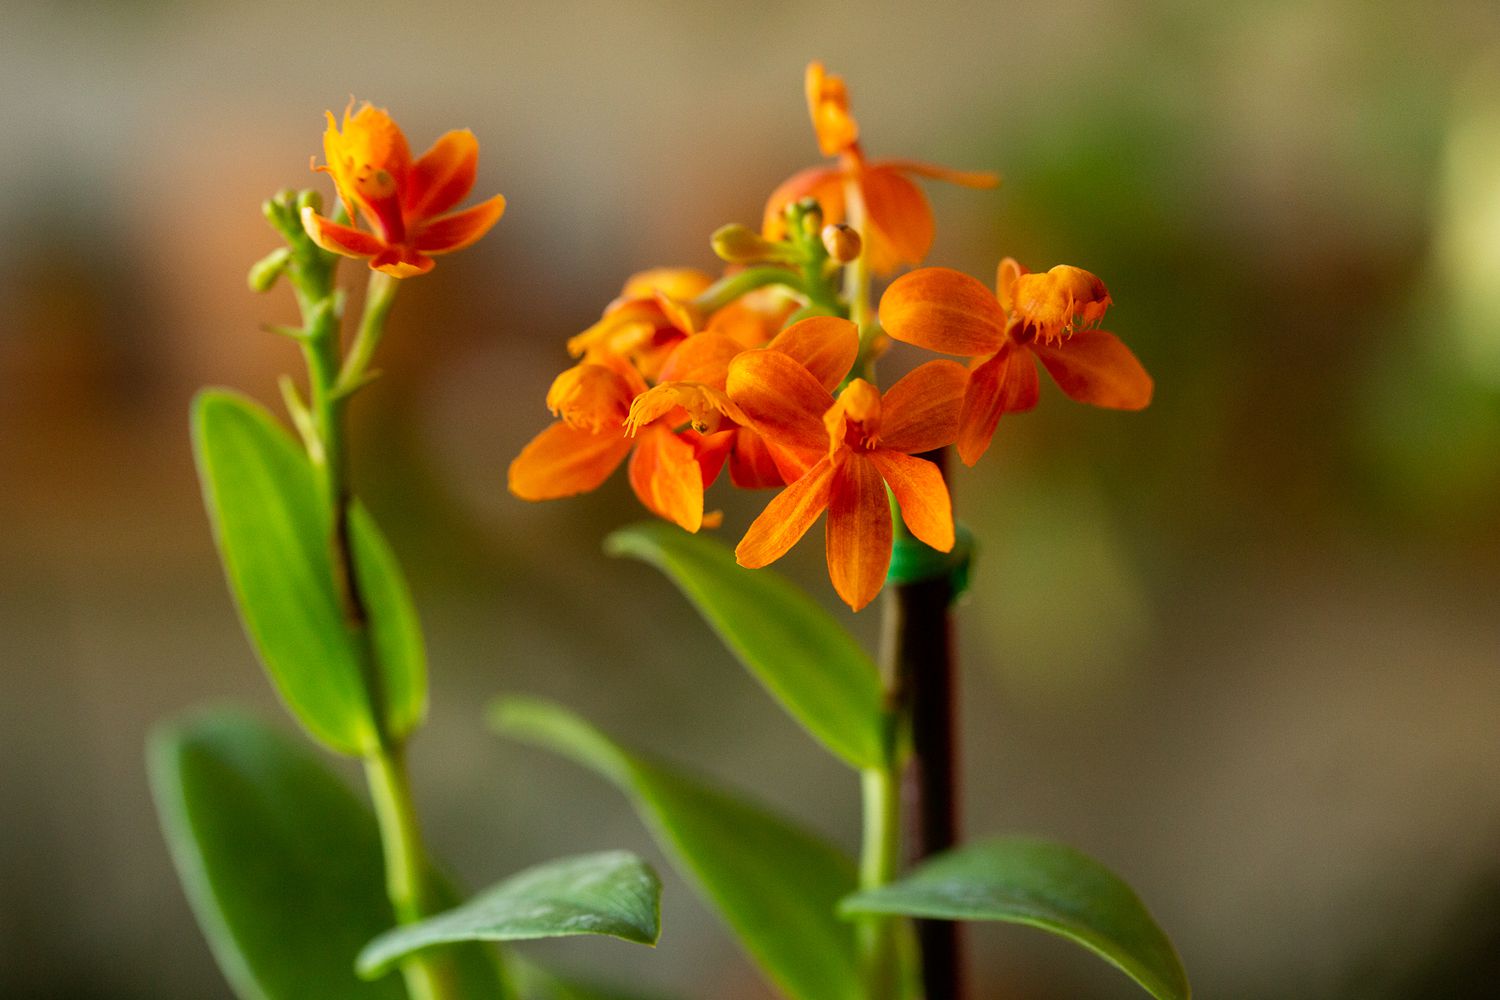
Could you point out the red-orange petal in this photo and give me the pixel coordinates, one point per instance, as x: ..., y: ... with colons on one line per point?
x: 564, y: 461
x: 933, y: 171
x: 751, y: 464
x: 783, y: 400
x: 920, y: 412
x: 448, y: 233
x: 825, y: 345
x: 402, y: 262
x: 826, y: 184
x: 1093, y: 366
x: 665, y: 475
x: 828, y: 107
x: 441, y: 176
x: 859, y: 531
x: 943, y: 310
x: 786, y: 518
x: 900, y: 221
x: 336, y: 238
x: 918, y: 485
x: 1006, y: 383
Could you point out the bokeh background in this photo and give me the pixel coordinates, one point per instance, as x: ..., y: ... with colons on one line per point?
x: 1244, y: 646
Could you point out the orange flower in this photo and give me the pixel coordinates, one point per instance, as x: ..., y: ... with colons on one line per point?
x: 898, y: 226
x: 669, y: 470
x: 1051, y: 316
x: 651, y: 316
x: 401, y: 201
x: 853, y: 448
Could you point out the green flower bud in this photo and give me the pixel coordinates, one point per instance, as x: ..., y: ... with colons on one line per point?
x: 264, y: 272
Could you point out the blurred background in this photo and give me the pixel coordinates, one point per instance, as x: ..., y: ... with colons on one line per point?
x: 1244, y: 646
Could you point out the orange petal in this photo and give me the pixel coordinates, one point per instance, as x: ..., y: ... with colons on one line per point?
x: 925, y: 505
x: 859, y: 531
x: 920, y: 411
x: 1007, y: 274
x: 825, y: 345
x: 665, y: 475
x: 828, y: 107
x: 900, y: 219
x: 564, y: 461
x: 1006, y: 383
x: 782, y: 399
x: 932, y: 171
x: 943, y: 310
x: 786, y: 518
x: 751, y: 464
x: 826, y: 184
x: 335, y: 238
x: 448, y: 233
x: 442, y: 176
x: 1093, y: 366
x: 401, y: 262
x: 753, y: 319
x: 680, y: 283
x: 711, y: 451
x: 703, y: 357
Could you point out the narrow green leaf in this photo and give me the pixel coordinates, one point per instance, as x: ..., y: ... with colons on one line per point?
x: 1043, y: 884
x: 281, y: 862
x: 797, y: 651
x: 775, y: 884
x: 613, y: 893
x: 273, y: 533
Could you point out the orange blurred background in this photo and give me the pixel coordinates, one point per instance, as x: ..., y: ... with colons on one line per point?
x: 1244, y: 647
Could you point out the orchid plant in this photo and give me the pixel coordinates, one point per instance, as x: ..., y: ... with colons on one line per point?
x: 768, y: 370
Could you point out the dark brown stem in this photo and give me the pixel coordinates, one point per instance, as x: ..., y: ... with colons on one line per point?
x: 919, y: 647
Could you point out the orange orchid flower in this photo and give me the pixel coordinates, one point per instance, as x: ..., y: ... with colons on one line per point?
x: 898, y: 226
x: 669, y: 469
x: 403, y: 202
x: 1050, y: 316
x: 651, y: 316
x: 853, y: 447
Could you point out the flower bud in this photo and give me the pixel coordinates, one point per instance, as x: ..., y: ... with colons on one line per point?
x: 739, y: 244
x: 264, y: 272
x: 842, y: 242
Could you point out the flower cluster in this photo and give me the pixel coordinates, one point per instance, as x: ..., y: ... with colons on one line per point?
x: 764, y: 371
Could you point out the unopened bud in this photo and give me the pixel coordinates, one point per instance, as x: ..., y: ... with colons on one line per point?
x: 264, y: 272
x: 739, y: 244
x: 842, y: 242
x: 805, y: 216
x: 309, y: 199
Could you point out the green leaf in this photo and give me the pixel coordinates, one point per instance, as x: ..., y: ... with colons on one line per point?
x: 613, y: 893
x: 793, y: 647
x: 273, y: 532
x: 281, y: 862
x: 1046, y: 885
x: 537, y: 983
x: 775, y: 884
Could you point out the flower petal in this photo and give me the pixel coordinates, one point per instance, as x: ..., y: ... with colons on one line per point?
x: 786, y: 518
x: 1093, y: 366
x: 859, y: 531
x: 1006, y: 383
x: 751, y: 464
x: 665, y: 475
x: 335, y: 238
x: 943, y: 310
x: 932, y: 171
x: 825, y: 184
x: 703, y: 357
x: 783, y: 400
x: 448, y: 233
x: 920, y: 412
x: 442, y: 176
x: 825, y: 345
x: 563, y: 461
x: 900, y: 219
x: 710, y: 452
x: 680, y: 283
x: 828, y: 107
x: 918, y: 485
x: 402, y: 262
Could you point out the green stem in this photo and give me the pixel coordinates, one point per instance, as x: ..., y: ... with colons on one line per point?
x: 408, y: 873
x: 726, y: 290
x: 880, y: 857
x: 857, y: 278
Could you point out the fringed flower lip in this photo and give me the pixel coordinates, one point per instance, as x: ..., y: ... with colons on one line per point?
x: 404, y: 203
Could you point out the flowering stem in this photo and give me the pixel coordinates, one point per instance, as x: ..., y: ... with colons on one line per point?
x: 408, y: 875
x: 857, y: 278
x: 919, y: 652
x: 880, y: 857
x: 726, y: 290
